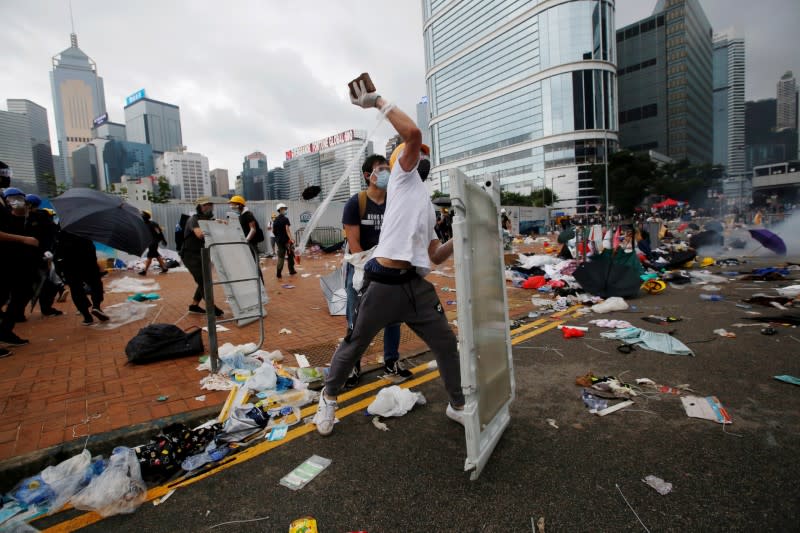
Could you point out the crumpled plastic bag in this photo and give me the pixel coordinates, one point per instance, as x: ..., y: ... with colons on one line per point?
x: 395, y: 401
x: 132, y: 285
x: 615, y: 303
x: 119, y: 489
x: 263, y: 378
x: 358, y: 260
x: 68, y: 477
x: 792, y: 291
x: 536, y: 261
x: 242, y: 422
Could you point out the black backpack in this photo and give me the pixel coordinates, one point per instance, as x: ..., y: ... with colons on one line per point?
x: 157, y: 342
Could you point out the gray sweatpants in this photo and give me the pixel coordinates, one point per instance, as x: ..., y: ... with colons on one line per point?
x: 415, y: 303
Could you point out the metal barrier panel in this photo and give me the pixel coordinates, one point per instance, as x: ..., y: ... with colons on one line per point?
x: 487, y: 373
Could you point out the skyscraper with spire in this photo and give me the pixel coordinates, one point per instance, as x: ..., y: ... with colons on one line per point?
x: 78, y: 98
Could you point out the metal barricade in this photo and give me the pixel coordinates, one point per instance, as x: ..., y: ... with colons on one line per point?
x: 208, y: 289
x: 324, y: 236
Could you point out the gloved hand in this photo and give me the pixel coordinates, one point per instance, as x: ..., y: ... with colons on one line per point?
x: 48, y: 255
x: 363, y: 98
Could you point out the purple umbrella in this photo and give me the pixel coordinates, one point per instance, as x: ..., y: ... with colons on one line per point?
x: 769, y: 240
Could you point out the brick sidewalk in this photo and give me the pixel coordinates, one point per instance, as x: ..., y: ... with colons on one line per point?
x: 72, y: 381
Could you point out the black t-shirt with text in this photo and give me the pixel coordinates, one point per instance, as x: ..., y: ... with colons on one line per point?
x: 370, y: 230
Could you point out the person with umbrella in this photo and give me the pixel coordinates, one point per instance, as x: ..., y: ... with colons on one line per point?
x: 76, y: 263
x: 157, y: 235
x: 362, y: 219
x: 20, y: 263
x: 193, y: 243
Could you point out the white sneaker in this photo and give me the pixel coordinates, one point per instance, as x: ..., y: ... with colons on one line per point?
x: 454, y: 414
x: 326, y: 415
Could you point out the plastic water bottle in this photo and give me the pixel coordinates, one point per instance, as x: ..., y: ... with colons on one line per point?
x: 711, y: 297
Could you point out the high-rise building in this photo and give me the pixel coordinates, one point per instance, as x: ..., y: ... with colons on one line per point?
x: 323, y: 162
x: 424, y: 119
x: 187, y: 173
x: 152, y: 122
x: 729, y: 115
x: 78, y: 98
x: 786, y: 117
x: 25, y: 146
x: 105, y: 129
x: 219, y: 182
x: 521, y: 92
x: 254, y: 176
x: 765, y: 145
x: 101, y: 163
x: 665, y: 82
x: 277, y: 187
x: 393, y: 143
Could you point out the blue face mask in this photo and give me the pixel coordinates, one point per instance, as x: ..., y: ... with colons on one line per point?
x: 383, y: 179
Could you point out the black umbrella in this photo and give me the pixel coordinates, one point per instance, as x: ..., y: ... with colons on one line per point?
x: 442, y: 201
x: 706, y: 238
x: 605, y: 277
x: 714, y: 225
x: 311, y: 192
x: 104, y: 218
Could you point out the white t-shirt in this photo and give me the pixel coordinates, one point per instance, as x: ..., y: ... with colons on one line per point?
x: 409, y: 221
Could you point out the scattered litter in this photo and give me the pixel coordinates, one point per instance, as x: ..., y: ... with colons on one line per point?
x: 769, y: 330
x: 201, y: 398
x: 237, y: 521
x: 124, y: 313
x: 277, y: 433
x: 594, y: 403
x: 165, y: 497
x: 579, y: 328
x: 744, y: 306
x: 395, y: 401
x: 615, y: 303
x: 712, y: 297
x: 448, y: 289
x: 614, y: 408
x: 570, y: 332
x: 303, y: 525
x: 552, y: 423
x: 133, y: 285
x: 302, y: 360
x: 303, y: 474
x: 218, y: 328
x: 533, y: 314
x: 285, y: 331
x: 433, y: 365
x: 712, y: 288
x: 631, y: 508
x: 216, y: 382
x: 661, y: 486
x: 376, y: 421
x: 708, y: 408
x: 287, y: 286
x: 616, y: 324
x: 792, y: 291
x: 750, y: 325
x: 724, y: 333
x: 450, y: 302
x: 658, y: 342
x: 540, y: 525
x: 162, y: 398
x: 305, y: 275
x: 119, y: 489
x: 788, y: 379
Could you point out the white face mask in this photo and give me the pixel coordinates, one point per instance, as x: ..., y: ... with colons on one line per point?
x: 16, y: 203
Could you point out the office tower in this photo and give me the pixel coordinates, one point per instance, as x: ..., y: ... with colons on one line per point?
x: 254, y: 177
x: 152, y: 122
x: 665, y: 82
x: 423, y: 119
x: 764, y: 144
x: 187, y: 173
x: 521, y: 92
x: 78, y: 98
x: 729, y: 115
x: 101, y: 163
x: 102, y: 128
x: 219, y: 182
x: 25, y: 146
x: 393, y: 143
x: 786, y: 117
x: 277, y: 187
x: 323, y: 162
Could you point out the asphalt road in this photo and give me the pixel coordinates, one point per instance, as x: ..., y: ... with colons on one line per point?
x: 411, y: 478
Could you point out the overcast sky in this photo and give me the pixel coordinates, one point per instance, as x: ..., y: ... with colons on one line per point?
x: 267, y: 75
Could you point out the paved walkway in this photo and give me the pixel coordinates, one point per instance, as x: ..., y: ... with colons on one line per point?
x: 72, y: 381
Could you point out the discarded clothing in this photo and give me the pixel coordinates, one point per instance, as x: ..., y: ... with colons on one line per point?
x: 616, y: 324
x: 395, y: 401
x: 649, y: 340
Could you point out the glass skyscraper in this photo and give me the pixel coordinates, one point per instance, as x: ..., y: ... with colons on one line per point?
x: 729, y: 148
x: 523, y: 91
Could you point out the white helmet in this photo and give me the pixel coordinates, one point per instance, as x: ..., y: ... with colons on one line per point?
x: 503, y: 211
x: 281, y: 206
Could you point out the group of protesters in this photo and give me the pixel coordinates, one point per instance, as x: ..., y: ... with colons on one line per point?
x: 41, y: 264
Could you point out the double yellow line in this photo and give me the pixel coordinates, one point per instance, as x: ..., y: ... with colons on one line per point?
x: 518, y: 335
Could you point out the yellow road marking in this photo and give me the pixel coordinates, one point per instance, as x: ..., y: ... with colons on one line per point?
x: 89, y: 518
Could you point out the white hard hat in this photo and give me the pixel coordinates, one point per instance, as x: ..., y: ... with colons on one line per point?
x: 503, y: 211
x: 281, y: 206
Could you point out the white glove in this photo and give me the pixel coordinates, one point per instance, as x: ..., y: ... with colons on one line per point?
x: 363, y: 98
x: 48, y: 255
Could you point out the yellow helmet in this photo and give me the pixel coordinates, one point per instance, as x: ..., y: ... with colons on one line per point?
x: 707, y: 261
x: 654, y: 286
x: 146, y: 212
x: 425, y: 150
x: 237, y: 200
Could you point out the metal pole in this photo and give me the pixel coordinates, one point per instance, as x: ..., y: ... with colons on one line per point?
x: 208, y: 296
x: 605, y: 156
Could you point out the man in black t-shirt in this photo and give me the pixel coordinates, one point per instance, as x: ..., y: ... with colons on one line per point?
x: 283, y: 239
x: 193, y: 243
x: 252, y: 232
x: 157, y: 237
x: 362, y: 219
